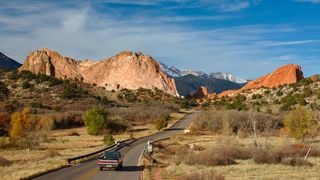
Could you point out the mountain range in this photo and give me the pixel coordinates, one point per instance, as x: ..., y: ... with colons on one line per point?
x: 188, y: 82
x: 125, y: 70
x: 175, y: 72
x: 8, y: 63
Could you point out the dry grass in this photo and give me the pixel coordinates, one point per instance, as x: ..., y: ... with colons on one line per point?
x: 242, y: 151
x: 62, y: 144
x: 4, y: 162
x: 200, y: 175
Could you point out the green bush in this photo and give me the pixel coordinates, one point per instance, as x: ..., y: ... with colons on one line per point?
x: 27, y: 75
x: 96, y: 120
x: 108, y: 139
x: 36, y: 105
x: 307, y: 92
x: 205, y: 104
x: 54, y: 81
x: 72, y: 91
x: 13, y: 75
x: 4, y: 91
x: 25, y: 85
x: 186, y: 103
x: 127, y: 95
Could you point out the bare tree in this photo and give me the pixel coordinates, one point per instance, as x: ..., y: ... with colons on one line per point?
x: 253, y: 117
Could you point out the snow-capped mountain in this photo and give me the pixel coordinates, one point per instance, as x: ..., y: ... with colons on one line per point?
x: 175, y: 72
x: 170, y: 70
x: 227, y: 77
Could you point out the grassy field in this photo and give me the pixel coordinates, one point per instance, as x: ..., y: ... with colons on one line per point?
x: 62, y: 144
x: 170, y: 166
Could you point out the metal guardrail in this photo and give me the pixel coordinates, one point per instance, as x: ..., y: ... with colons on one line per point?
x: 97, y: 152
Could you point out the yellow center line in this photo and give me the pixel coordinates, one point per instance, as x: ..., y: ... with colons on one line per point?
x: 90, y: 174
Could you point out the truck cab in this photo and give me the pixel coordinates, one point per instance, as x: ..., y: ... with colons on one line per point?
x: 110, y: 160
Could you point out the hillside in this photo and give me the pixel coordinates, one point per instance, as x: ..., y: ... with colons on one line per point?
x: 287, y: 74
x: 8, y: 63
x: 126, y: 70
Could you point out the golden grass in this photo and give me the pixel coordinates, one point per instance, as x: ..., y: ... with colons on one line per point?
x: 62, y: 145
x: 244, y: 169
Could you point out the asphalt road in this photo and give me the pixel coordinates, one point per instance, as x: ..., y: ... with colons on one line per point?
x: 131, y: 152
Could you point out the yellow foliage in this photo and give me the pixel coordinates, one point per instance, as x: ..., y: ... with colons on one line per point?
x: 29, y: 129
x: 16, y: 126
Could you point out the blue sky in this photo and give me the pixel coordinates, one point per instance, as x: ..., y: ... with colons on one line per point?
x: 248, y: 38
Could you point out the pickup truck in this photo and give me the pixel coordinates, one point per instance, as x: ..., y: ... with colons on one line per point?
x: 111, y: 159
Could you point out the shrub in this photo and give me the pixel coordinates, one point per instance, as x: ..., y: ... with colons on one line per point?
x: 279, y: 93
x: 13, y: 75
x: 4, y: 162
x: 4, y: 124
x: 299, y: 123
x: 205, y: 104
x: 162, y: 123
x: 108, y: 139
x: 67, y: 120
x: 127, y: 95
x: 73, y: 133
x: 267, y: 157
x: 27, y: 130
x: 233, y: 122
x: 4, y: 91
x: 27, y: 75
x: 25, y: 85
x: 186, y: 103
x: 54, y: 81
x: 95, y: 120
x: 210, y: 175
x: 36, y: 105
x: 52, y: 153
x: 307, y: 92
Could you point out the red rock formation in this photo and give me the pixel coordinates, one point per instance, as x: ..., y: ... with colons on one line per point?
x: 315, y: 78
x: 124, y: 70
x: 290, y: 73
x: 203, y: 93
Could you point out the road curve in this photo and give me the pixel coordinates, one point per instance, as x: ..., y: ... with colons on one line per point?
x: 132, y: 153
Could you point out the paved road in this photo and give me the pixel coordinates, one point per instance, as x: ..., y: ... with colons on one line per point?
x: 132, y: 153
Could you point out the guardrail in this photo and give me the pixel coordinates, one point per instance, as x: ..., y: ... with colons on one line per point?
x: 94, y: 154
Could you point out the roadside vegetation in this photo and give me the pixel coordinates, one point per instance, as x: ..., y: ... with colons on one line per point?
x: 45, y: 120
x: 226, y: 144
x: 305, y: 93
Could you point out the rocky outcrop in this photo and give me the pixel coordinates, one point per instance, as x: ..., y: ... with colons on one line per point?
x: 203, y: 93
x: 288, y: 74
x: 124, y: 70
x: 315, y: 77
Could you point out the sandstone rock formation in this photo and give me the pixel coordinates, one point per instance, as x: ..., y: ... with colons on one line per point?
x: 203, y: 93
x: 315, y: 77
x: 124, y: 70
x: 287, y: 74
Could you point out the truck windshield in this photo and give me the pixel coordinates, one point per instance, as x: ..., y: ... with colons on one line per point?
x: 111, y: 155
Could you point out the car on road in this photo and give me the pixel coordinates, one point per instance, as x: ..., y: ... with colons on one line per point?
x: 111, y: 159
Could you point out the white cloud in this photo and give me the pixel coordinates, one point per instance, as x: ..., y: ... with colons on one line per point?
x: 310, y: 1
x: 81, y: 32
x: 288, y: 43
